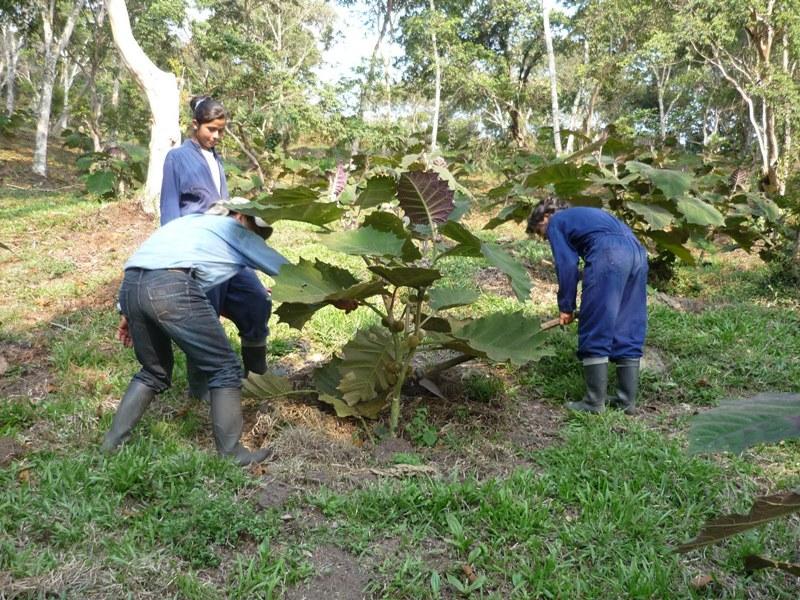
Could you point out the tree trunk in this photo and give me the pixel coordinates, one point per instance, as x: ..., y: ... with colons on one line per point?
x: 51, y: 54
x: 68, y: 72
x: 12, y: 46
x: 161, y: 89
x: 438, y: 86
x: 551, y: 66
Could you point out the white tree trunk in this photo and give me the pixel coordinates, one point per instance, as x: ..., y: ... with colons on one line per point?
x: 437, y: 96
x: 52, y: 51
x: 551, y: 65
x: 12, y: 46
x: 68, y: 72
x: 161, y: 89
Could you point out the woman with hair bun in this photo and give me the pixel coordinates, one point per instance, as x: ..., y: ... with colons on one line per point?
x: 194, y: 180
x: 613, y: 315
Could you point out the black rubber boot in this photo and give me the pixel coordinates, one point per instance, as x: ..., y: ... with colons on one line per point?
x: 627, y: 386
x: 226, y: 419
x: 596, y: 376
x: 131, y: 408
x: 254, y: 359
x: 197, y: 381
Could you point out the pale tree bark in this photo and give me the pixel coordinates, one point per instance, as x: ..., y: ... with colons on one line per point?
x: 13, y: 43
x: 53, y: 49
x: 551, y: 67
x: 385, y: 26
x: 69, y: 70
x: 437, y: 94
x: 161, y: 89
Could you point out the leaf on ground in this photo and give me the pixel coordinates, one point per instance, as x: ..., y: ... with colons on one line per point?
x: 764, y: 510
x: 506, y: 337
x: 366, y: 366
x: 516, y: 273
x: 266, y: 386
x: 738, y: 424
x: 753, y: 562
x: 425, y: 197
x: 364, y: 241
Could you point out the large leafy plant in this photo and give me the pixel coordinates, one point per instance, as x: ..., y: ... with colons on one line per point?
x: 673, y: 202
x: 404, y: 219
x: 734, y: 426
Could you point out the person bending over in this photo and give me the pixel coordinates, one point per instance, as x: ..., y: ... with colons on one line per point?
x: 163, y: 300
x: 613, y: 311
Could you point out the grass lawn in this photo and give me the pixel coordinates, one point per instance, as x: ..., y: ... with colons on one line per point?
x: 497, y: 493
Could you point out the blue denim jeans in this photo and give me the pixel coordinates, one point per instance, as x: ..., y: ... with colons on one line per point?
x: 165, y: 306
x: 245, y: 301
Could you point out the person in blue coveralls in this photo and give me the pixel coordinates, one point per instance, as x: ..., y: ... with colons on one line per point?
x: 163, y: 299
x: 194, y: 180
x: 613, y: 311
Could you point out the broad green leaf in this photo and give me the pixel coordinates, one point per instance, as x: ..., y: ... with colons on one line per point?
x: 309, y: 282
x: 315, y: 213
x: 415, y: 277
x: 656, y: 216
x: 467, y: 243
x: 764, y: 206
x: 697, y: 212
x: 326, y: 381
x: 390, y: 223
x: 501, y: 191
x: 366, y: 366
x: 359, y: 291
x: 753, y: 562
x: 379, y: 190
x: 364, y: 241
x: 327, y: 377
x: 566, y: 178
x: 520, y: 281
x: 100, y: 183
x: 266, y: 386
x: 673, y: 184
x: 673, y: 242
x: 444, y: 298
x: 295, y: 314
x: 739, y: 424
x: 517, y: 212
x: 281, y: 197
x: 425, y: 197
x: 462, y: 205
x: 764, y: 510
x: 506, y: 337
x: 368, y: 410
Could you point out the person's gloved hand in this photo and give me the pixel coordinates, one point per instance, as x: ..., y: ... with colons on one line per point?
x: 123, y: 333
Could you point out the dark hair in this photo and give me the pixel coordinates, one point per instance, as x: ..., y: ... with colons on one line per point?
x: 205, y: 109
x: 546, y: 207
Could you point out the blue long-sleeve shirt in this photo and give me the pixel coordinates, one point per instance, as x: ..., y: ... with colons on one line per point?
x: 574, y: 233
x: 187, y: 186
x: 215, y: 247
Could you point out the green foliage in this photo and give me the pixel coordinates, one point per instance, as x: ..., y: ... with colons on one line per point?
x: 114, y: 171
x: 672, y: 205
x: 738, y: 424
x: 420, y: 430
x: 400, y: 243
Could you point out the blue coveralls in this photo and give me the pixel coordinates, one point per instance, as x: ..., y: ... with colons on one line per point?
x: 613, y: 312
x: 187, y: 187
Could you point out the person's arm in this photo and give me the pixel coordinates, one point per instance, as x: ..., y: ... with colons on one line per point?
x: 566, y: 263
x: 170, y: 191
x: 256, y: 252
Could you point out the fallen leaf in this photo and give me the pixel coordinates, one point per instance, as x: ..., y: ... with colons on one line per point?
x: 701, y: 581
x: 3, y: 365
x: 469, y: 572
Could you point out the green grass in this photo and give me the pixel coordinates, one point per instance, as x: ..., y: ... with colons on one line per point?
x: 592, y: 516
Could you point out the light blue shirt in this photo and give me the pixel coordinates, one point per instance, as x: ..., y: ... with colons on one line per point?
x: 215, y: 247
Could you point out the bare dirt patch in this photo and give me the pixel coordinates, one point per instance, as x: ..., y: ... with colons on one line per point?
x: 10, y: 450
x: 338, y: 575
x: 26, y: 371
